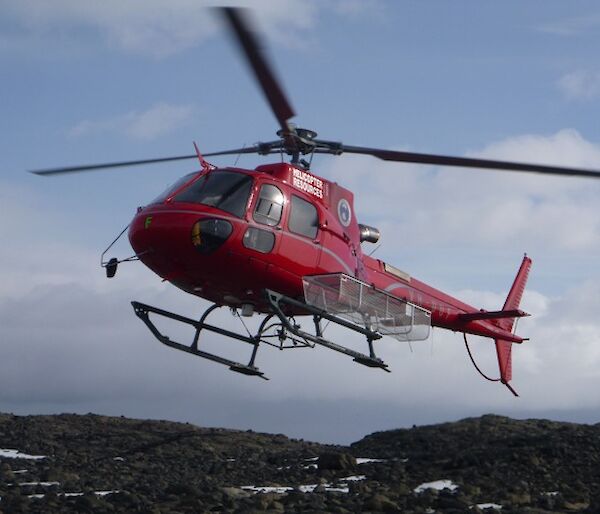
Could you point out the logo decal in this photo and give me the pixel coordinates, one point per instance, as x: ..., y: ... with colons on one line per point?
x: 344, y: 212
x: 307, y: 183
x: 147, y: 221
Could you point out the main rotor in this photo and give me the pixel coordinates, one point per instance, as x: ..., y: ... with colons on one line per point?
x: 299, y: 142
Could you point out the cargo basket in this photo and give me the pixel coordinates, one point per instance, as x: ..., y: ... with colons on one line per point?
x: 367, y: 306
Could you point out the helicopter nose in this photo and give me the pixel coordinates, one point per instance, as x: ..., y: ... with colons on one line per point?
x: 156, y: 231
x: 141, y: 238
x: 158, y: 238
x: 175, y: 243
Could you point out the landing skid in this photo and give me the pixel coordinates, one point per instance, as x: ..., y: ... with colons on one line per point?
x: 276, y: 326
x: 143, y: 312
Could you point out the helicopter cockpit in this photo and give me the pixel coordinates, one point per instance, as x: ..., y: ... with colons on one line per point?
x: 225, y: 190
x: 262, y: 215
x: 229, y: 191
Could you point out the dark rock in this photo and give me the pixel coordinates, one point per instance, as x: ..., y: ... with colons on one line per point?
x: 159, y: 466
x: 235, y: 493
x: 338, y: 461
x: 380, y: 503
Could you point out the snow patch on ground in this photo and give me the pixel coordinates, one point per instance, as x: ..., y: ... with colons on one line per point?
x: 343, y: 489
x: 438, y: 485
x: 267, y: 489
x: 305, y: 488
x: 310, y: 488
x: 484, y: 506
x: 8, y: 453
x: 33, y: 484
x: 366, y: 460
x: 339, y: 486
x: 68, y: 495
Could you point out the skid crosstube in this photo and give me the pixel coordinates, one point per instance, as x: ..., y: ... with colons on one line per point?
x: 371, y: 360
x: 143, y: 311
x: 289, y: 330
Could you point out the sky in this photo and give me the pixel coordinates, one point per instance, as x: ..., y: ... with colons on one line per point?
x: 87, y: 82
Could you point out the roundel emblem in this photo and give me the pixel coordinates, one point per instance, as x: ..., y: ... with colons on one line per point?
x: 344, y: 212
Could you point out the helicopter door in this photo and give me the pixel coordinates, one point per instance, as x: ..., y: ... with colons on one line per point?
x: 300, y: 247
x: 267, y: 211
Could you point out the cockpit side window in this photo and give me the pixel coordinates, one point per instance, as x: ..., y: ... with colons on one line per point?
x: 304, y: 219
x: 269, y: 205
x: 225, y: 190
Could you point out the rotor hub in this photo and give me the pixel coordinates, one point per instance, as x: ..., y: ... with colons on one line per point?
x: 298, y: 140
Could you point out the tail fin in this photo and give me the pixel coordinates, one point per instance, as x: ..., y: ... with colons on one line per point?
x: 504, y: 348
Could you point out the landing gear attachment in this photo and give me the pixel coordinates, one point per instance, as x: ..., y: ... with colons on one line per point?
x: 278, y: 301
x: 277, y: 329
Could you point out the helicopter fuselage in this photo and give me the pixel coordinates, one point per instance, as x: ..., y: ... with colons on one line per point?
x: 226, y: 235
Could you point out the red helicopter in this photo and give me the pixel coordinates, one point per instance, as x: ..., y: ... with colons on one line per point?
x: 283, y: 242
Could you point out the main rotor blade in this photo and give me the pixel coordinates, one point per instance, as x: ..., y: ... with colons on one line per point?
x: 468, y: 162
x: 241, y: 26
x: 93, y: 167
x: 258, y: 148
x: 248, y: 149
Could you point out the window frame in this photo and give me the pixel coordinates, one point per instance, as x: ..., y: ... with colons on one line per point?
x: 291, y: 212
x: 260, y: 186
x: 259, y: 230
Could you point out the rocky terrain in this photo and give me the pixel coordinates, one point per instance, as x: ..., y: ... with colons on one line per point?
x: 70, y: 463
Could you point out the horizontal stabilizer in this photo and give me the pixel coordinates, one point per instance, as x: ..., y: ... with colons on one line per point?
x: 512, y: 313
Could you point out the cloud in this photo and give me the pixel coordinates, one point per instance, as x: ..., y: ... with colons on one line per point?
x: 72, y: 347
x: 358, y: 8
x: 572, y: 26
x: 160, y: 119
x: 448, y: 206
x: 152, y: 27
x: 580, y: 85
x: 564, y: 148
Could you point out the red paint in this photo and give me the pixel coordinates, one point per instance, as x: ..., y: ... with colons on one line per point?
x: 234, y: 274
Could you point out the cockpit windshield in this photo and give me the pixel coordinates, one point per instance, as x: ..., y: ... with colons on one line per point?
x: 174, y: 187
x: 225, y: 190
